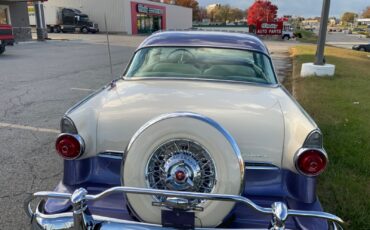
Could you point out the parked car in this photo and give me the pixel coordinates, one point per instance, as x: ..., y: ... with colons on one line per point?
x: 362, y: 47
x: 198, y: 132
x: 358, y: 30
x: 6, y: 37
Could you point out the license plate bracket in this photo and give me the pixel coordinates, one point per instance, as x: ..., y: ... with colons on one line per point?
x: 178, y: 219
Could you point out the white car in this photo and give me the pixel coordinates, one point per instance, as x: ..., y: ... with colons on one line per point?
x: 198, y: 133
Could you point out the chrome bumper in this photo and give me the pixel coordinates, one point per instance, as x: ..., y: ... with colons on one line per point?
x: 81, y: 218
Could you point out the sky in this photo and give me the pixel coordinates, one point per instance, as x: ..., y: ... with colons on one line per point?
x: 305, y: 8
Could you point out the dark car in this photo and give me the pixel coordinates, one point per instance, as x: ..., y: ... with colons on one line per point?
x: 362, y: 47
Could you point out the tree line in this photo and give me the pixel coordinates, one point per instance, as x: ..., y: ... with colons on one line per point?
x: 220, y: 13
x: 349, y: 17
x: 260, y: 10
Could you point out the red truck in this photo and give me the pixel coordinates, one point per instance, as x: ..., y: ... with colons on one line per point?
x: 6, y: 37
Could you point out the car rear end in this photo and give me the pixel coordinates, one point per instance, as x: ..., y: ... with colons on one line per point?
x: 129, y: 157
x: 6, y: 36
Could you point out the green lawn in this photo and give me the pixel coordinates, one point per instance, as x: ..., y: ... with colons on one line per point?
x: 341, y: 107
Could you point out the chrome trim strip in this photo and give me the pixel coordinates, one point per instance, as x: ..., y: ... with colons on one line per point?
x: 294, y: 100
x: 117, y: 155
x: 261, y: 168
x: 203, y: 118
x: 168, y: 193
x: 79, y: 139
x: 201, y: 79
x: 83, y: 101
x: 204, y: 46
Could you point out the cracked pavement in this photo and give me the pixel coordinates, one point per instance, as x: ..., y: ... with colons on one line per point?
x: 38, y: 83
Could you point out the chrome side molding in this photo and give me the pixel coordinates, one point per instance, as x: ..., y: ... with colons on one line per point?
x: 81, y: 218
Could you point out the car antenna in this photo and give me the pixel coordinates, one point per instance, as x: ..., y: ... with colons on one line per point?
x: 108, y: 45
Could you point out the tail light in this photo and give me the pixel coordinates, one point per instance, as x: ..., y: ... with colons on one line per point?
x: 311, y: 162
x: 69, y: 146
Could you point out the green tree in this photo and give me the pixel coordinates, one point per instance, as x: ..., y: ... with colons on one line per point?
x: 223, y: 13
x: 226, y: 13
x: 349, y: 17
x: 236, y: 14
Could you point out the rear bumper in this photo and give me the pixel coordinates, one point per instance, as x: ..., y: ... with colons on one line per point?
x: 65, y: 221
x: 81, y: 215
x: 7, y: 42
x: 264, y: 185
x: 39, y: 222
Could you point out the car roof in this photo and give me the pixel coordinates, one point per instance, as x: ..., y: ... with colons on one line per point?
x: 231, y: 40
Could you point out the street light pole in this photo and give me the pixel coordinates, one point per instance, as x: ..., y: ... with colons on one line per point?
x: 322, y: 33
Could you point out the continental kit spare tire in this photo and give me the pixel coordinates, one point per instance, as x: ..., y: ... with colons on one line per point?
x: 184, y: 152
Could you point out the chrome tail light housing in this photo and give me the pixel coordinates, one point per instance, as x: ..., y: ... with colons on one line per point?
x: 70, y: 146
x: 311, y: 160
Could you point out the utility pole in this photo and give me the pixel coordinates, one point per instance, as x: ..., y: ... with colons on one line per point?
x: 322, y: 33
x: 319, y: 67
x: 40, y: 21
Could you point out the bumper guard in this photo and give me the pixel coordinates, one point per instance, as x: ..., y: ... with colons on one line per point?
x: 81, y: 219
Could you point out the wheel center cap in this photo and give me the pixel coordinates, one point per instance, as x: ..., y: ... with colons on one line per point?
x: 180, y: 175
x: 182, y: 172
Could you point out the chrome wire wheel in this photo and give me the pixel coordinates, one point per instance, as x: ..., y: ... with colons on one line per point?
x: 182, y: 165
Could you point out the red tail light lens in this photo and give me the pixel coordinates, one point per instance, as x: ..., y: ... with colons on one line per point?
x: 69, y: 146
x: 311, y: 162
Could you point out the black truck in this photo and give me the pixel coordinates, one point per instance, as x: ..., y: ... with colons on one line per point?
x: 60, y: 19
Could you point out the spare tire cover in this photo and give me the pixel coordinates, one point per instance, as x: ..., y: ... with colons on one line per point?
x: 202, y: 132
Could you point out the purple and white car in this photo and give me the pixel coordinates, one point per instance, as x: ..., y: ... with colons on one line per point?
x: 198, y: 133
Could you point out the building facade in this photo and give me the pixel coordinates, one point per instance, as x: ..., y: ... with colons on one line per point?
x: 14, y: 12
x: 131, y: 16
x: 363, y: 21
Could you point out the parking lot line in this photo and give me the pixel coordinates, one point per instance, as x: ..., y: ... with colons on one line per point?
x: 83, y: 89
x: 25, y: 127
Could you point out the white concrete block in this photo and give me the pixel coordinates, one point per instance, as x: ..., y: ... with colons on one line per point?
x: 310, y: 69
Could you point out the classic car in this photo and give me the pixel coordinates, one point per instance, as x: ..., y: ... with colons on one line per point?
x: 197, y: 133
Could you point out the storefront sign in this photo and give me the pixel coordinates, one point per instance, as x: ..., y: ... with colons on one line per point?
x: 269, y: 28
x: 141, y: 8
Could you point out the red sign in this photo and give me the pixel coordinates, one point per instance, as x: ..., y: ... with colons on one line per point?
x: 269, y: 28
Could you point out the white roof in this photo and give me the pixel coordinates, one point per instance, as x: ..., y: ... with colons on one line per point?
x: 363, y: 19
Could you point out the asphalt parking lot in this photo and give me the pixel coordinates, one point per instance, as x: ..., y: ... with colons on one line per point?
x: 342, y: 40
x: 39, y: 81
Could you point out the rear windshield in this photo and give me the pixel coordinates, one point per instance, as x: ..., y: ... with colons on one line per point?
x: 202, y: 63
